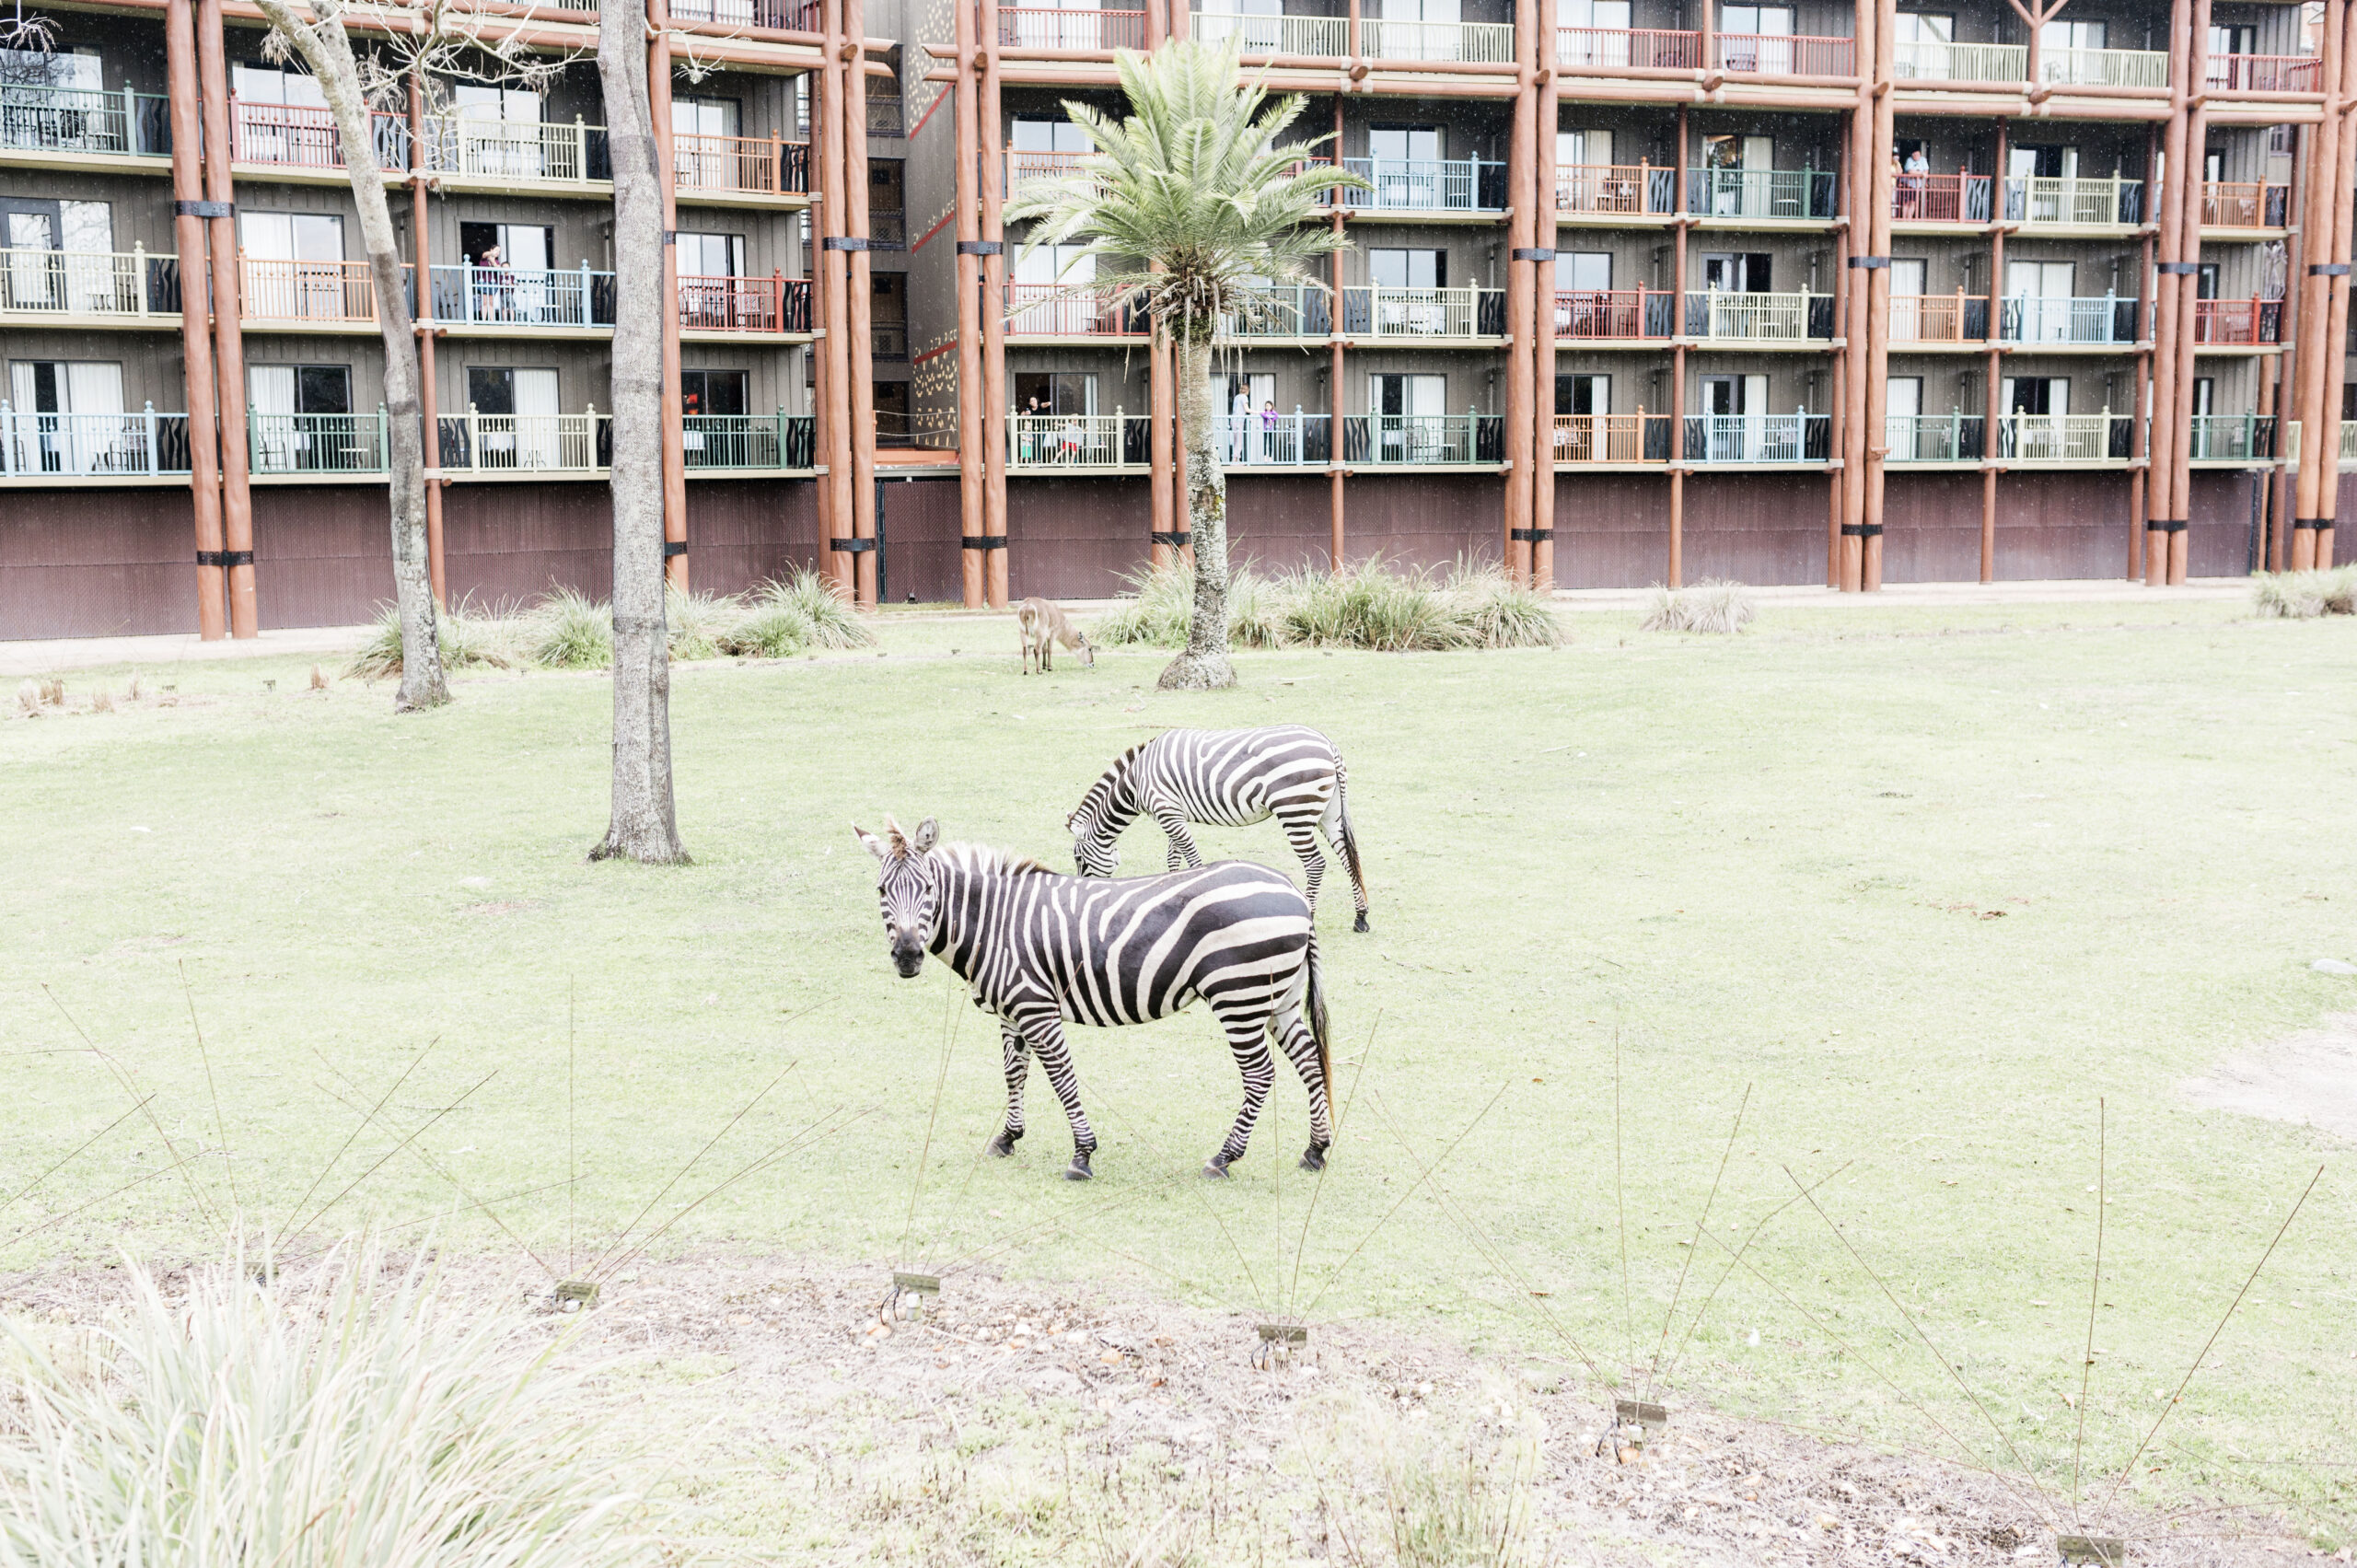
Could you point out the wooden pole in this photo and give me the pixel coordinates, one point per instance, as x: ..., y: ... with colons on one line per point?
x: 2317, y: 438
x: 971, y: 483
x: 860, y: 290
x: 1992, y: 395
x: 229, y: 333
x: 1866, y: 184
x: 675, y: 455
x: 1837, y: 435
x: 2286, y: 369
x: 2336, y: 333
x: 834, y: 212
x: 1678, y: 368
x: 1878, y: 301
x: 2197, y: 138
x: 1542, y: 502
x: 1335, y: 400
x: 991, y: 123
x: 1520, y: 274
x: 429, y: 408
x: 2145, y: 403
x: 196, y: 332
x: 2161, y: 487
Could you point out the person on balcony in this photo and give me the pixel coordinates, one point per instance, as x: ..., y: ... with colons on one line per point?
x: 1917, y: 180
x: 1269, y: 432
x: 1239, y: 436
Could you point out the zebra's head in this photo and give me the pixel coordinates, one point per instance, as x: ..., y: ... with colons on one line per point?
x: 1099, y: 817
x: 905, y: 888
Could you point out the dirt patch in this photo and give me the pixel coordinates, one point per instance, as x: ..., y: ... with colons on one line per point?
x: 2310, y: 1079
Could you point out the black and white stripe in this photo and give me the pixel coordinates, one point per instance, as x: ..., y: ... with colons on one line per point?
x: 1228, y: 778
x: 1041, y: 949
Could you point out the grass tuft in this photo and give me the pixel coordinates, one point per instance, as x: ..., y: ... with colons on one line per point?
x: 833, y: 620
x: 2303, y: 596
x: 1714, y: 604
x: 1373, y: 606
x: 700, y: 624
x: 571, y: 630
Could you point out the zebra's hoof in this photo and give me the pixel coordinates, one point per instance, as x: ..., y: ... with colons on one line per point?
x: 1314, y: 1158
x: 998, y: 1148
x: 1078, y: 1170
x: 1361, y: 924
x: 1216, y: 1167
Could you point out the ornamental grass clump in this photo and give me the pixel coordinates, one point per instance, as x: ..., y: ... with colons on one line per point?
x: 833, y: 620
x: 700, y: 623
x: 470, y: 638
x: 1714, y: 604
x: 1498, y: 611
x: 347, y: 1422
x: 1373, y: 606
x: 1161, y: 607
x: 571, y: 630
x: 2304, y: 596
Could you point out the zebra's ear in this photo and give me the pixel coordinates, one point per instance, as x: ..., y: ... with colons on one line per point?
x: 874, y: 844
x: 928, y: 834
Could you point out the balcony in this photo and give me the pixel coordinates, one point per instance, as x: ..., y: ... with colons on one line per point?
x: 2237, y: 321
x: 1269, y: 439
x: 1088, y: 32
x: 1323, y: 37
x: 1794, y: 438
x: 91, y: 287
x: 145, y: 444
x: 508, y: 151
x: 84, y: 122
x: 1422, y: 440
x: 2144, y: 68
x: 1382, y: 312
x: 1471, y: 43
x: 2264, y: 73
x: 789, y: 16
x: 1954, y: 437
x: 1298, y: 310
x: 1051, y: 442
x: 524, y: 298
x: 1721, y: 314
x: 719, y: 442
x: 1924, y: 61
x: 2244, y: 203
x: 770, y: 305
x: 1060, y: 310
x: 739, y: 165
x: 320, y: 443
x: 1782, y: 54
x: 887, y: 228
x: 1638, y: 49
x: 2033, y: 201
x: 2232, y: 437
x: 2064, y: 437
x: 1956, y: 318
x: 1940, y: 198
x: 319, y: 294
x: 1426, y: 185
x: 1601, y: 315
x: 1616, y: 190
x: 884, y: 118
x: 1023, y: 167
x: 1638, y: 437
x: 887, y: 340
x: 2105, y: 320
x: 1788, y: 194
x: 493, y: 444
x: 290, y: 135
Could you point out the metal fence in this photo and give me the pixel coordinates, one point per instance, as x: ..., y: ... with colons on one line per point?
x: 2031, y: 318
x: 778, y: 440
x: 1426, y: 185
x: 1760, y: 192
x: 83, y: 119
x: 1424, y: 313
x: 92, y: 446
x: 316, y: 443
x: 1934, y: 438
x: 89, y: 283
x: 1758, y: 318
x: 1794, y: 438
x: 1417, y: 439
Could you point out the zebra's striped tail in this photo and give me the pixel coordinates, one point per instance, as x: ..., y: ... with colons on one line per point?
x: 1350, y: 838
x: 1317, y: 1032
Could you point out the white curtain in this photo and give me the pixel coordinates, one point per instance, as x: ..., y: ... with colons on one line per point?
x: 536, y: 443
x: 89, y: 261
x: 269, y: 388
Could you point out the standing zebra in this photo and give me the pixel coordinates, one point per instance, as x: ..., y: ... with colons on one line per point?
x: 1229, y: 778
x: 1039, y: 949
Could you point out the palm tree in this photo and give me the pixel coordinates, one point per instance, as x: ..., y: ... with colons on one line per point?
x: 1198, y: 210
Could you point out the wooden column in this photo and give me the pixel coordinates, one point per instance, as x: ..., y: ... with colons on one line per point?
x: 1865, y: 186
x: 2162, y: 500
x: 228, y: 335
x: 1334, y: 390
x: 860, y: 291
x: 833, y: 209
x: 196, y: 332
x: 2144, y: 403
x: 1677, y: 365
x: 1520, y: 274
x: 2197, y: 137
x: 971, y: 483
x: 1542, y: 500
x: 2282, y: 482
x: 675, y: 454
x: 2316, y: 350
x: 1877, y: 433
x: 428, y: 406
x: 994, y: 404
x: 2336, y: 332
x: 1161, y: 403
x: 1837, y: 434
x: 1991, y: 395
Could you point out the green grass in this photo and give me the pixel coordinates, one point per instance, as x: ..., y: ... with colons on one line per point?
x: 1767, y: 861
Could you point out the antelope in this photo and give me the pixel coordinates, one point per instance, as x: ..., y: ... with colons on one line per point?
x: 1044, y: 625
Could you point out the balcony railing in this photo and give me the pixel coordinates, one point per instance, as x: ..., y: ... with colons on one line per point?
x: 782, y: 440
x: 1058, y: 310
x: 1095, y: 32
x: 2233, y: 438
x: 89, y: 283
x: 2104, y: 69
x: 83, y: 119
x: 301, y: 137
x: 888, y: 340
x: 1327, y: 38
x: 1614, y: 188
x: 1782, y: 54
x: 2348, y: 440
x: 1270, y: 439
x: 740, y: 163
x: 1760, y: 192
x: 1638, y: 437
x: 772, y: 304
x: 506, y: 149
x: 92, y: 446
x: 1414, y: 440
x: 524, y: 296
x: 536, y: 443
x: 793, y: 16
x: 2237, y: 321
x: 1954, y: 437
x: 2265, y: 74
x: 272, y: 290
x: 1759, y: 317
x: 1938, y: 317
x: 884, y: 114
x: 1297, y: 310
x: 1592, y: 315
x: 1022, y: 168
x: 2064, y: 437
x: 1940, y: 198
x: 1794, y: 438
x: 1424, y: 313
x: 1640, y: 48
x: 316, y: 443
x: 2067, y: 199
x: 1076, y: 440
x: 1427, y: 185
x: 2031, y: 318
x: 1473, y: 43
x: 887, y: 228
x: 1925, y: 61
x: 2244, y: 203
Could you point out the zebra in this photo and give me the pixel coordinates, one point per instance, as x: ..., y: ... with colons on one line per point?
x: 1039, y: 949
x: 1230, y: 778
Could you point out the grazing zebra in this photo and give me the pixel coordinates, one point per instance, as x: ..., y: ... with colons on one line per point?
x: 1229, y: 778
x: 1039, y: 949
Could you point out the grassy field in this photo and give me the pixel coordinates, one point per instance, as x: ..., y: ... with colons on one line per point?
x: 1925, y: 887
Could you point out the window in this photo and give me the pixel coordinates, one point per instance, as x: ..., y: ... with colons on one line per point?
x: 78, y: 68
x: 1748, y: 273
x: 1407, y: 269
x: 2042, y: 163
x: 2041, y: 395
x: 2205, y: 282
x: 1403, y: 143
x: 1734, y: 427
x: 1924, y: 27
x: 299, y: 388
x: 291, y: 236
x: 2205, y: 391
x: 1249, y: 402
x: 704, y: 116
x: 2232, y: 40
x: 2213, y: 165
x: 261, y: 82
x: 69, y: 418
x: 1575, y: 149
x: 1611, y: 14
x: 512, y: 106
x: 1775, y: 21
x: 887, y: 315
x: 301, y: 417
x: 517, y: 423
x: 1583, y: 270
x: 711, y: 255
x: 50, y: 386
x: 294, y: 268
x: 892, y: 427
x: 519, y: 247
x: 2071, y: 35
x: 1060, y: 392
x: 1726, y: 188
x: 1909, y: 276
x: 1902, y: 397
x: 1408, y: 414
x: 711, y: 392
x: 1583, y: 395
x: 38, y: 277
x: 1047, y: 136
x: 1595, y: 32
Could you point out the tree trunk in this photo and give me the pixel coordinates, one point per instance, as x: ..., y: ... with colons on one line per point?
x: 1204, y: 666
x: 327, y: 49
x: 644, y: 827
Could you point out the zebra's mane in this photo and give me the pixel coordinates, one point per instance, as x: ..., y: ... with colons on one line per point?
x: 989, y: 862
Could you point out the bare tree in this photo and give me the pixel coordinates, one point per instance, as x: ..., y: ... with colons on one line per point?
x: 644, y: 826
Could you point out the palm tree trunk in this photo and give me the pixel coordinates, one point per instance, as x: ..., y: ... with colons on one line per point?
x: 642, y: 826
x: 1204, y: 666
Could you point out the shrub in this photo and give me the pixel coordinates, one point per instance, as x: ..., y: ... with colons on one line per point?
x: 700, y: 624
x: 1714, y: 604
x: 2303, y: 596
x: 833, y: 620
x: 1370, y: 606
x: 1498, y: 611
x: 470, y: 637
x: 571, y: 631
x: 347, y: 1424
x: 768, y: 631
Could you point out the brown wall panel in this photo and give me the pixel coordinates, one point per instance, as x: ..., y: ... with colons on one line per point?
x: 1074, y: 538
x: 322, y: 554
x: 921, y: 527
x: 1415, y: 519
x: 1611, y: 530
x: 1765, y: 528
x: 511, y: 543
x: 2049, y: 526
x: 742, y: 533
x: 1281, y: 522
x: 1931, y: 527
x: 97, y: 563
x: 2222, y: 523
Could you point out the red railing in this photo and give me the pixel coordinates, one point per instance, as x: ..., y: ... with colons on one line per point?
x: 2265, y: 74
x: 740, y: 163
x: 1596, y: 313
x: 745, y: 305
x: 1940, y: 198
x: 2244, y: 203
x: 2237, y: 321
x: 1098, y: 32
x: 1614, y: 187
x: 1637, y: 49
x: 1778, y: 54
